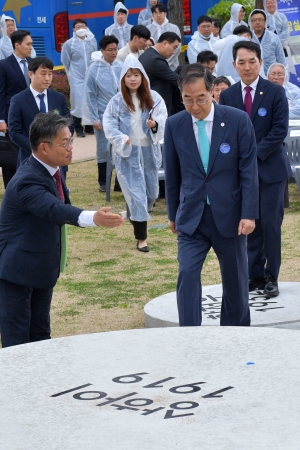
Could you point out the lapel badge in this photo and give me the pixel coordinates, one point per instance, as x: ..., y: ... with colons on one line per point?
x: 261, y: 93
x: 222, y: 124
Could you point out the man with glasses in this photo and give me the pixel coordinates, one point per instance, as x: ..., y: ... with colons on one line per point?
x: 271, y: 46
x: 102, y: 83
x: 202, y: 39
x: 34, y: 208
x: 212, y: 196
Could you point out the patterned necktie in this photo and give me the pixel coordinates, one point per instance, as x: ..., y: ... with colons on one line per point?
x: 248, y: 100
x: 42, y: 103
x: 203, y: 145
x: 25, y: 71
x: 57, y: 178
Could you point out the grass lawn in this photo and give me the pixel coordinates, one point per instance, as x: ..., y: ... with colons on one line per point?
x: 107, y: 281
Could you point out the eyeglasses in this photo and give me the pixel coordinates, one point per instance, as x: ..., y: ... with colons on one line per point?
x: 191, y: 102
x: 205, y: 27
x: 258, y: 20
x: 112, y: 50
x: 65, y: 145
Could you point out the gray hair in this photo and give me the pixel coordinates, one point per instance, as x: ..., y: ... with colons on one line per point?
x: 194, y: 72
x: 45, y: 127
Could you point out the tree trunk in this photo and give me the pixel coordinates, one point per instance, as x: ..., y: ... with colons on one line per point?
x: 175, y: 15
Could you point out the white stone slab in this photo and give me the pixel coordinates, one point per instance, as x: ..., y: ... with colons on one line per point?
x: 232, y: 405
x: 282, y: 311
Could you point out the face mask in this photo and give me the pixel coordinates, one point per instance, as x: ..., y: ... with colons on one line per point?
x: 207, y: 38
x: 81, y: 32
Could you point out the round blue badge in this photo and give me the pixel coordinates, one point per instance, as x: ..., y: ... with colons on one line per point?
x: 262, y: 112
x: 225, y: 148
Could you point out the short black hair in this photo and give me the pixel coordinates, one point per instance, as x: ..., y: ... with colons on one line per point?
x: 106, y: 40
x: 259, y: 11
x: 248, y: 45
x: 169, y: 36
x: 45, y: 127
x: 206, y: 56
x: 122, y: 10
x: 204, y: 18
x: 221, y: 79
x: 160, y: 6
x: 40, y: 61
x: 79, y: 21
x: 17, y: 37
x: 242, y: 29
x: 216, y: 23
x: 140, y: 31
x: 193, y: 72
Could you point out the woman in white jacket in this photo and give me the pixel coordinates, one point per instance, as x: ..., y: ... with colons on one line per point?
x: 133, y: 123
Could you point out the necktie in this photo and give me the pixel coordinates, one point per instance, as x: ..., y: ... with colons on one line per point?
x: 203, y: 145
x: 42, y: 103
x: 64, y: 231
x: 248, y: 100
x: 57, y: 178
x: 25, y: 71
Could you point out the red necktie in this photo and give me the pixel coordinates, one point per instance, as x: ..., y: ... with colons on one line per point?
x: 248, y: 100
x: 57, y: 178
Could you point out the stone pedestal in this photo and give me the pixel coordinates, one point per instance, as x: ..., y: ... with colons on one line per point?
x: 217, y: 388
x: 279, y: 312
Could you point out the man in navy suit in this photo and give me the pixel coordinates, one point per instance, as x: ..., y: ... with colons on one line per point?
x: 33, y: 100
x: 212, y: 195
x: 13, y: 79
x: 268, y: 109
x: 34, y: 208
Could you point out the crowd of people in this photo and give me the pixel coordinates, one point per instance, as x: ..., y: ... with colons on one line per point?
x: 225, y: 168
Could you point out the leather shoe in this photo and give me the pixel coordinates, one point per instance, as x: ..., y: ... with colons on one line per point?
x: 80, y: 134
x: 271, y: 287
x: 257, y: 283
x: 145, y: 249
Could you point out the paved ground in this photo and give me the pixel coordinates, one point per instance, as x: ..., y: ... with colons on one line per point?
x: 84, y: 149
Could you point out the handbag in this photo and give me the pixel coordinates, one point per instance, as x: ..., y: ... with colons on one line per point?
x: 8, y: 152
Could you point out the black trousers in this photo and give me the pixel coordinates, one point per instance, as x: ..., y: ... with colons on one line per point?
x: 7, y: 174
x: 24, y: 314
x: 140, y: 230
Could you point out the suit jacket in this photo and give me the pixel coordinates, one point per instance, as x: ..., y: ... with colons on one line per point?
x: 22, y: 111
x: 231, y: 182
x: 31, y: 217
x: 162, y: 78
x: 12, y: 81
x: 270, y: 116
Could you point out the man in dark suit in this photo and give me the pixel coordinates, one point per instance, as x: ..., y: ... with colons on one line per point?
x: 154, y: 60
x: 212, y: 195
x: 13, y: 79
x: 34, y: 208
x: 33, y: 100
x: 268, y: 109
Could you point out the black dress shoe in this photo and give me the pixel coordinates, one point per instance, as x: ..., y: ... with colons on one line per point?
x: 80, y: 134
x: 257, y: 283
x: 145, y: 249
x: 271, y: 287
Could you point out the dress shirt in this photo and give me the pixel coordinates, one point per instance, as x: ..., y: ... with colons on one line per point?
x: 85, y: 219
x: 208, y: 126
x: 36, y: 98
x: 252, y: 92
x: 19, y: 62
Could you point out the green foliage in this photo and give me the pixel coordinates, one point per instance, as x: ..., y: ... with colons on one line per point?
x: 222, y: 9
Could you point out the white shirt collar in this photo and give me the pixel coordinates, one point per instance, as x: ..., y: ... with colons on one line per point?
x: 253, y: 85
x: 209, y: 117
x: 36, y: 93
x: 18, y: 58
x: 50, y: 169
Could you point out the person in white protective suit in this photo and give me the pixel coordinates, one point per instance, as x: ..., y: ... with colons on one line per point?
x: 237, y: 13
x: 120, y: 28
x: 202, y: 39
x: 160, y: 24
x: 272, y: 50
x: 276, y: 21
x: 279, y: 74
x: 134, y: 123
x: 101, y: 84
x: 7, y: 27
x: 76, y: 57
x: 145, y: 16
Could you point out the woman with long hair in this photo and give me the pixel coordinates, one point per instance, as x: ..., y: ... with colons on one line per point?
x: 133, y: 123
